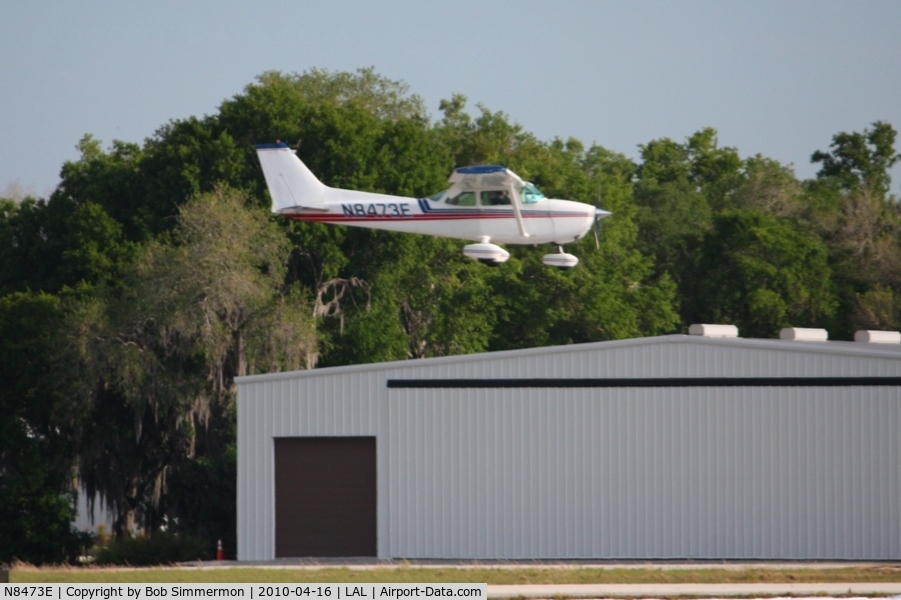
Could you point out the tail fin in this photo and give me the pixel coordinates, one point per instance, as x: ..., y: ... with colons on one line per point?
x: 291, y: 184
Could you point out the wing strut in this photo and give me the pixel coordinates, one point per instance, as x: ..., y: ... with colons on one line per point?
x: 519, y: 221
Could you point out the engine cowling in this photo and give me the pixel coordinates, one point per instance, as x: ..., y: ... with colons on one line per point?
x: 561, y: 260
x: 486, y: 253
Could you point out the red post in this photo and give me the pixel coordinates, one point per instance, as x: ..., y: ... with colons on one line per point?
x: 220, y: 553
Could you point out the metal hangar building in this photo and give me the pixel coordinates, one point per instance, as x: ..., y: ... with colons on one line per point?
x: 671, y: 447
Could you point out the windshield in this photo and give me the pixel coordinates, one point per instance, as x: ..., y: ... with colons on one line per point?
x: 437, y: 197
x: 531, y: 194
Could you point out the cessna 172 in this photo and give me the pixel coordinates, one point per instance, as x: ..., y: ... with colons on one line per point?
x: 487, y: 203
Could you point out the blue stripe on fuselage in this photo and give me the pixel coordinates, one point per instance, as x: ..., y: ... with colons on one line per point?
x: 476, y: 212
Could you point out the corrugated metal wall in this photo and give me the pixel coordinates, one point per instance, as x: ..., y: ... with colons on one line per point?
x: 767, y: 472
x: 778, y: 473
x: 320, y: 406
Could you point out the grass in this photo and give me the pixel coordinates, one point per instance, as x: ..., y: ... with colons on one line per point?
x: 496, y: 575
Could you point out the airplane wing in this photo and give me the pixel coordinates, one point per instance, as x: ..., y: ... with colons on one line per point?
x: 481, y: 176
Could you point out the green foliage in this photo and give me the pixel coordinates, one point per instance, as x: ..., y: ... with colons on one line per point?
x: 673, y: 213
x: 160, y: 549
x: 384, y: 98
x: 49, y: 245
x: 860, y: 221
x: 160, y: 359
x: 878, y: 308
x: 36, y: 508
x: 36, y: 429
x: 772, y: 189
x: 444, y: 309
x: 425, y: 299
x: 761, y: 274
x: 679, y: 188
x: 202, y: 493
x: 184, y: 159
x: 860, y: 159
x: 716, y: 171
x: 112, y: 180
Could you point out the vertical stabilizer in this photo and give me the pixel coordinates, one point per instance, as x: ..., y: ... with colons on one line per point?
x: 291, y: 184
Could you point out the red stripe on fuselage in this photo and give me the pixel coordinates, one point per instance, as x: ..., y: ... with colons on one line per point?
x: 335, y: 218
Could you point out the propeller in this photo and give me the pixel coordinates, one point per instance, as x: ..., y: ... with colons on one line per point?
x: 598, y: 215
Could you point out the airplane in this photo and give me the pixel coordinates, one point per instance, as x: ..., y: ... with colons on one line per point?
x: 488, y: 204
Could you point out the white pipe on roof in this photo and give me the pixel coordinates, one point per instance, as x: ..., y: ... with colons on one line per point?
x: 878, y: 337
x: 803, y: 334
x: 713, y: 330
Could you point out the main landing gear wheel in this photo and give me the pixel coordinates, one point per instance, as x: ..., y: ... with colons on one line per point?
x: 561, y: 260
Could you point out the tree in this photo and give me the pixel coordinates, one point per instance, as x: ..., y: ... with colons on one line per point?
x: 679, y: 187
x: 50, y: 245
x: 36, y: 435
x: 716, y: 171
x: 423, y: 298
x: 878, y: 308
x: 772, y: 189
x: 183, y: 159
x: 158, y: 363
x: 861, y: 225
x: 673, y: 214
x: 860, y: 159
x: 114, y: 181
x: 761, y: 274
x: 160, y: 359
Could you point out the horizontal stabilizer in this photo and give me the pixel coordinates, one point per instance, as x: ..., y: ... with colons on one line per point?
x: 291, y: 184
x: 294, y: 210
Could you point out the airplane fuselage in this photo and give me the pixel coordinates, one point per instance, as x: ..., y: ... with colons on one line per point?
x: 485, y: 203
x: 546, y: 221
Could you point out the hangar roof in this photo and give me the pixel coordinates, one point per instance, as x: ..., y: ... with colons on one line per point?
x: 661, y: 356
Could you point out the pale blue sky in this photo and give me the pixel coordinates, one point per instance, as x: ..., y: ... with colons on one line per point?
x: 776, y: 78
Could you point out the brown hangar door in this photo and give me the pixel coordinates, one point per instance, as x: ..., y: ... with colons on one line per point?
x: 325, y: 496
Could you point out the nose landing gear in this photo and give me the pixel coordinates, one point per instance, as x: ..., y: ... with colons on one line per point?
x: 561, y: 260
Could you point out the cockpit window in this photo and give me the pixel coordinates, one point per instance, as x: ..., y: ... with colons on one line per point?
x: 496, y: 198
x: 531, y: 194
x: 463, y: 199
x: 438, y: 197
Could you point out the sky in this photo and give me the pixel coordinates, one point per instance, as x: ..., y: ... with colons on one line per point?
x: 774, y: 78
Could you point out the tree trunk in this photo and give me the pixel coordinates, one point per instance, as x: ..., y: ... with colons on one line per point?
x: 124, y: 525
x: 240, y: 354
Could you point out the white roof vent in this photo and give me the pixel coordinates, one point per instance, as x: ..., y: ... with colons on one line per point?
x: 878, y: 337
x: 803, y: 334
x: 717, y: 331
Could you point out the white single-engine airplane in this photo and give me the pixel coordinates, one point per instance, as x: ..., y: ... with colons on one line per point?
x: 487, y: 203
